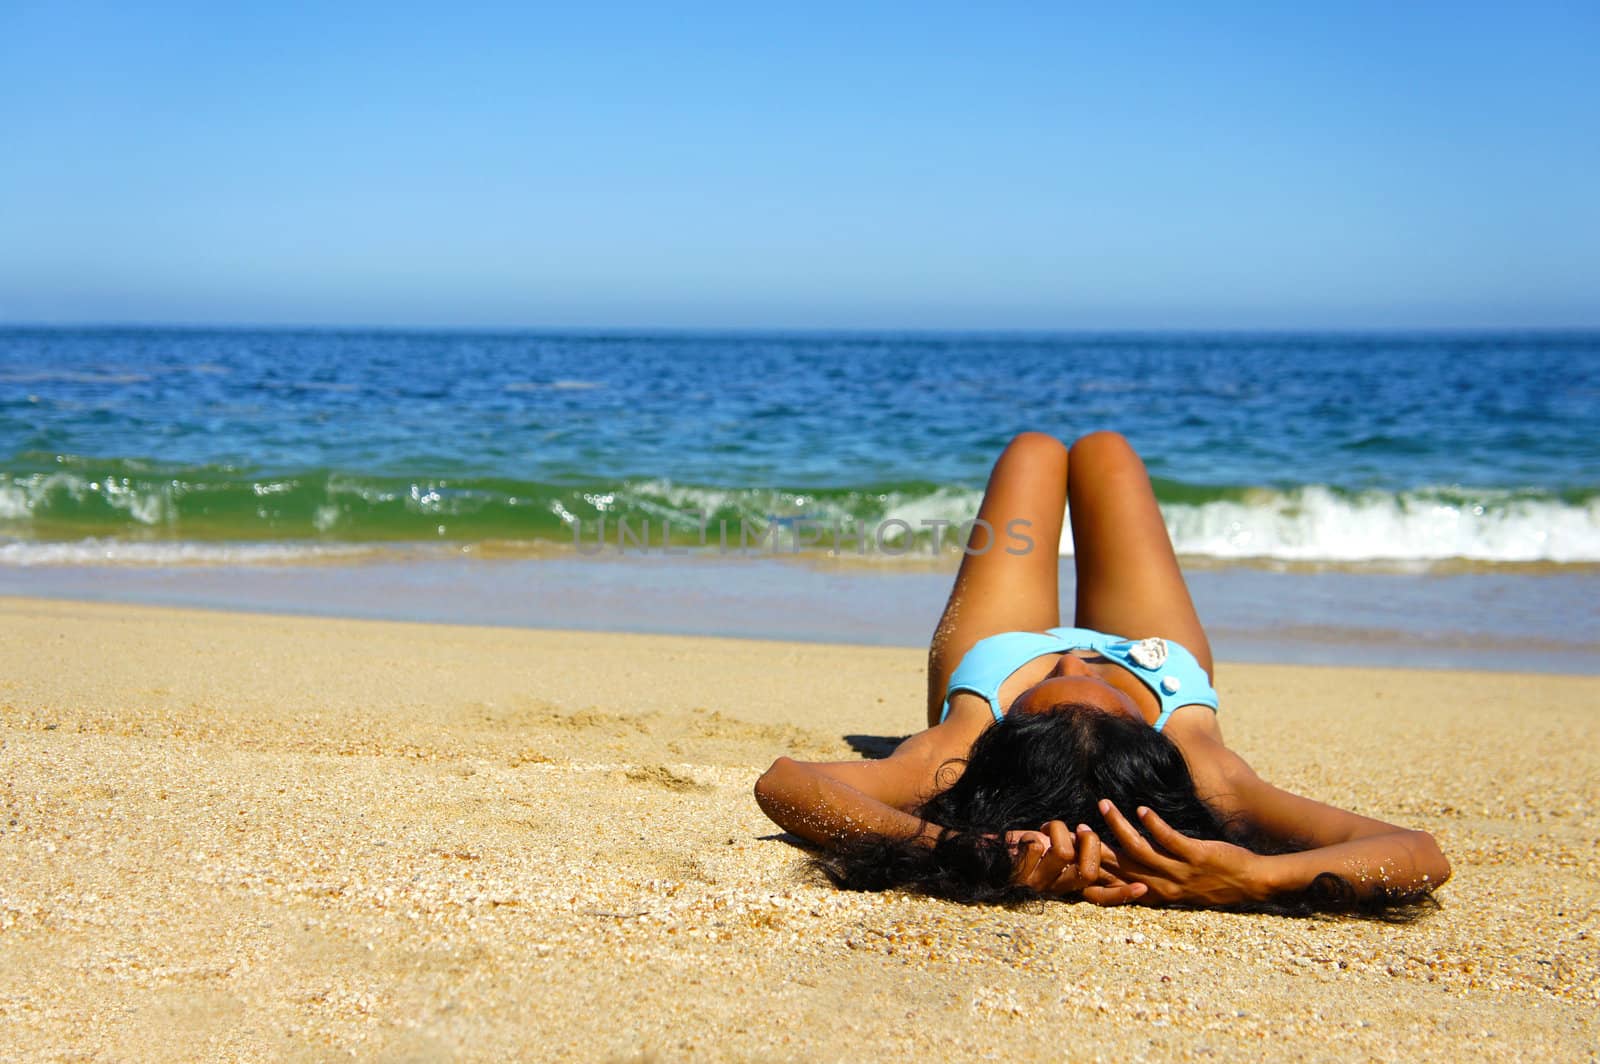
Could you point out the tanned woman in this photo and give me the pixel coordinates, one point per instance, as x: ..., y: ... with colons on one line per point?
x: 1084, y: 761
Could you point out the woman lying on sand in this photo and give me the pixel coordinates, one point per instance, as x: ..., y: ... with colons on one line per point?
x: 1073, y: 762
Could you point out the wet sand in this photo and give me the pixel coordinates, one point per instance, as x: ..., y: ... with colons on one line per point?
x: 1504, y: 619
x: 259, y: 837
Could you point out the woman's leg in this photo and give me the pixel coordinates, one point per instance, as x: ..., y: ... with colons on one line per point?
x: 1129, y: 582
x: 1005, y: 585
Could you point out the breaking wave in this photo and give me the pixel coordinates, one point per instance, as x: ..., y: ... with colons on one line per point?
x: 79, y: 511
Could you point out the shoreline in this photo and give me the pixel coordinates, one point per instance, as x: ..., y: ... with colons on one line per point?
x: 154, y: 551
x: 1543, y: 621
x: 255, y: 835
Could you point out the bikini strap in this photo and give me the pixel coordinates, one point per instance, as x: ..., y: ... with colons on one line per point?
x: 993, y: 700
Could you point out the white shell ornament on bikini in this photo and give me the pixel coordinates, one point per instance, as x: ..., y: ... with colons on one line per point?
x: 1149, y: 653
x: 1170, y: 684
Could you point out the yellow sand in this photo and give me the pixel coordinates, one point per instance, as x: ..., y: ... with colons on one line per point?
x: 252, y: 837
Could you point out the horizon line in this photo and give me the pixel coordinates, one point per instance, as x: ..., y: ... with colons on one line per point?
x: 761, y: 330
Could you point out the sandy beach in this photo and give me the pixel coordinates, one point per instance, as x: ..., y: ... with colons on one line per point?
x: 260, y: 837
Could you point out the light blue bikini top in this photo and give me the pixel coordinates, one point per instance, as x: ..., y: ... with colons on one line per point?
x: 1167, y: 668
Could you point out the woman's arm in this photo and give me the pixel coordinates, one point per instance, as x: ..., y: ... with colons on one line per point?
x: 1206, y: 872
x: 832, y: 802
x: 1372, y: 856
x: 805, y: 800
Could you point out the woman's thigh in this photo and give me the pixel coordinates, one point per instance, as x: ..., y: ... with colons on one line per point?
x: 1129, y: 582
x: 1008, y: 580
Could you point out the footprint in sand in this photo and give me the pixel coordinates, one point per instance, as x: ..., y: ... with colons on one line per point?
x: 661, y: 776
x: 711, y: 724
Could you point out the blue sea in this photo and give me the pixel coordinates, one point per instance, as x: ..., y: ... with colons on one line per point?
x: 140, y: 458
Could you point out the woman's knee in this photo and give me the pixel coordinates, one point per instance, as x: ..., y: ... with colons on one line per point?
x: 1103, y: 449
x: 1035, y: 447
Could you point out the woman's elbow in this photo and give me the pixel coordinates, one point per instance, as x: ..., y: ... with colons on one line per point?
x: 1435, y: 866
x: 770, y: 784
x: 778, y: 769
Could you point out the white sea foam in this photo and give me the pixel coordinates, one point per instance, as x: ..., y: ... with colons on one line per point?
x: 95, y: 551
x: 1315, y: 524
x: 15, y: 502
x: 21, y: 499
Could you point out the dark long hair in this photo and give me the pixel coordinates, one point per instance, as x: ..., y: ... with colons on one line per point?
x: 1029, y: 768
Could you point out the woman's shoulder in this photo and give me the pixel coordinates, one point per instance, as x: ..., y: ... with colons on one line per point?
x: 1195, y: 731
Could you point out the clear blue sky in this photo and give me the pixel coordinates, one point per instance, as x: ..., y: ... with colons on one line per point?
x: 900, y: 165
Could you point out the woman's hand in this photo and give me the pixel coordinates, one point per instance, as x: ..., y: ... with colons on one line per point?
x: 1055, y: 861
x: 1200, y: 872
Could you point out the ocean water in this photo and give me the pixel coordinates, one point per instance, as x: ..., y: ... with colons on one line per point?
x: 1362, y: 450
x: 1405, y: 499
